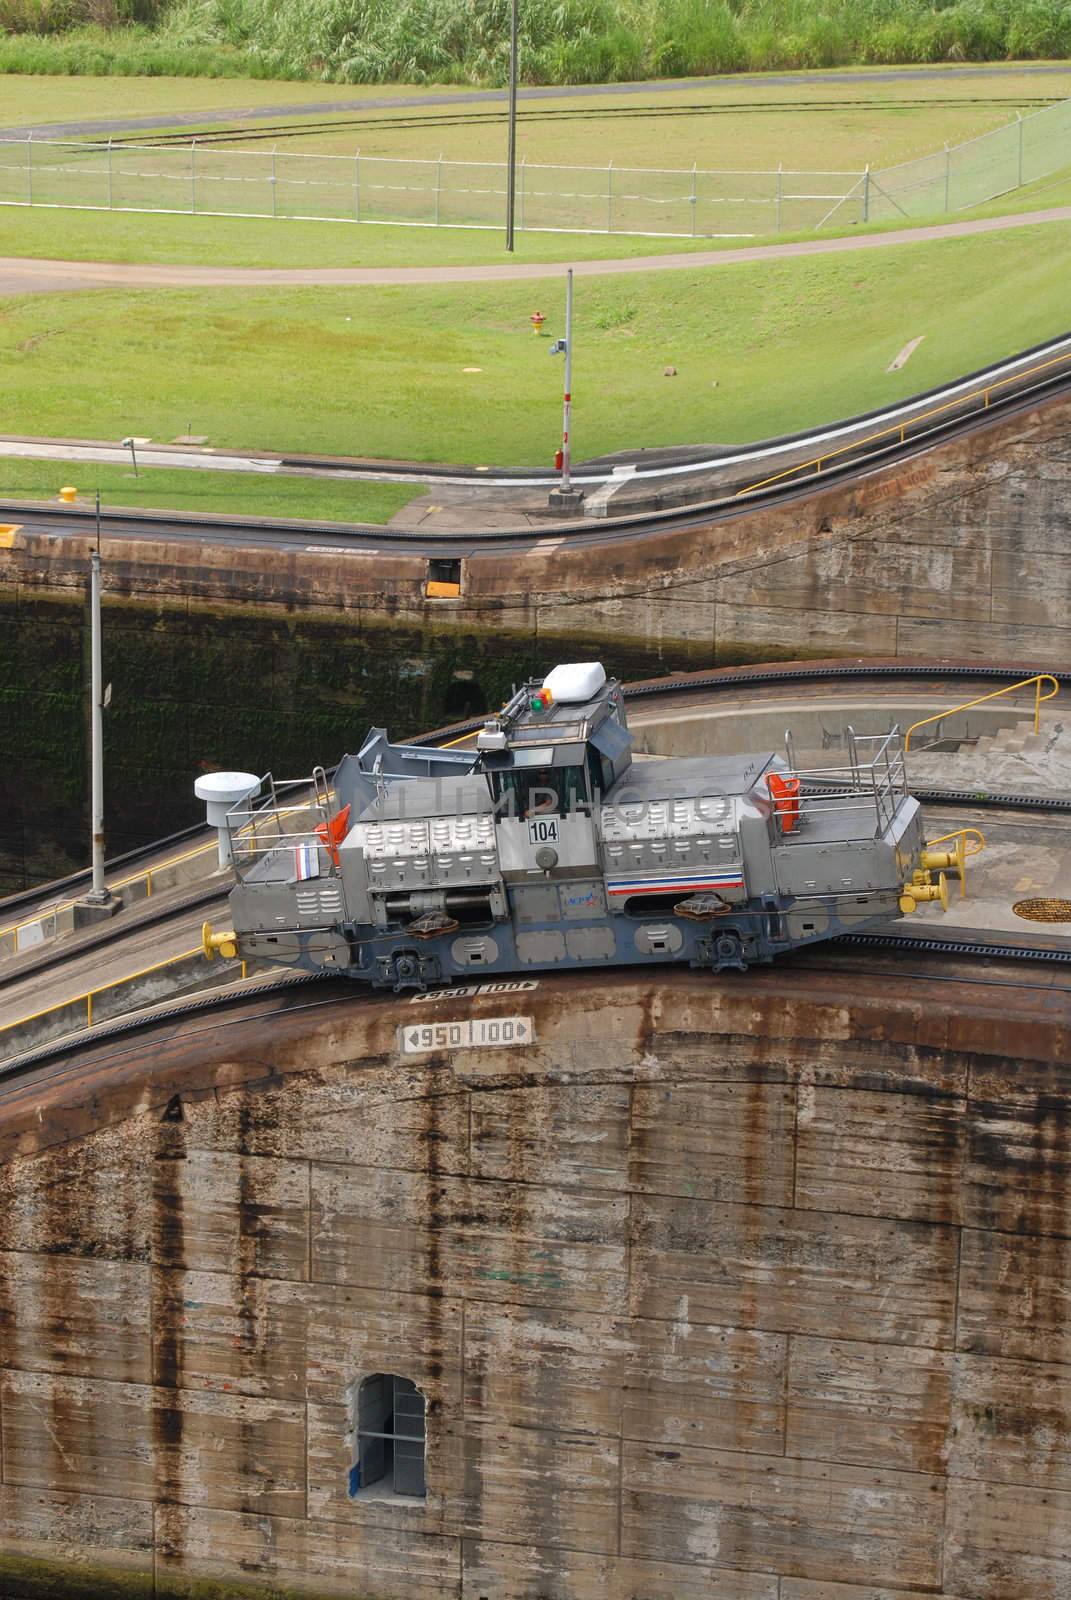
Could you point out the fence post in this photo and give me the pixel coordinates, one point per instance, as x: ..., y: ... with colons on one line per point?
x: 438, y: 185
x: 1019, y: 115
x: 29, y: 168
x: 948, y: 177
x: 780, y: 193
x: 610, y: 197
x: 109, y: 172
x: 521, y: 194
x: 357, y: 187
x: 274, y: 180
x: 695, y: 198
x: 866, y: 193
x: 193, y: 177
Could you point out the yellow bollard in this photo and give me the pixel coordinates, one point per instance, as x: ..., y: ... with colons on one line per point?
x: 224, y: 944
x: 68, y: 494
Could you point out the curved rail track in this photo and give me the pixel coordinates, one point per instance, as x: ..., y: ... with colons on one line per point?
x: 242, y: 133
x: 886, y: 952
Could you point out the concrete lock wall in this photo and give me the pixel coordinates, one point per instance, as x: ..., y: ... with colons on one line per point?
x: 748, y: 1289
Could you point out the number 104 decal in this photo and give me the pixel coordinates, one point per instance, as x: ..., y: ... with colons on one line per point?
x: 543, y: 830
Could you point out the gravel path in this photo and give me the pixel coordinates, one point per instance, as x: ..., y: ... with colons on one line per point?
x: 31, y: 276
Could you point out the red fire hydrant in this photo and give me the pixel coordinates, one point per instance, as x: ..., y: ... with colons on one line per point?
x: 537, y: 320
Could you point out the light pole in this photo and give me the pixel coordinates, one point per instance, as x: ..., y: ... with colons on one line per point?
x: 565, y: 497
x: 128, y: 444
x: 99, y: 901
x: 511, y: 174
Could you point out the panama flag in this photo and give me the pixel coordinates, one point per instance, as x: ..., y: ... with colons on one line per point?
x: 306, y: 862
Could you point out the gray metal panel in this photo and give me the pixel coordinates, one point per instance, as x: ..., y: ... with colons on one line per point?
x: 582, y: 902
x: 659, y: 938
x: 548, y: 946
x: 612, y: 739
x: 447, y: 796
x: 689, y: 775
x: 835, y: 868
x: 475, y: 950
x: 535, y: 903
x: 591, y: 944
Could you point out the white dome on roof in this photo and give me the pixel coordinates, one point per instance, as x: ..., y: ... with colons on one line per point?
x: 575, y: 682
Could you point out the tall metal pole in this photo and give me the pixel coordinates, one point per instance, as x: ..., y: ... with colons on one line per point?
x: 568, y: 396
x: 99, y: 891
x: 511, y: 175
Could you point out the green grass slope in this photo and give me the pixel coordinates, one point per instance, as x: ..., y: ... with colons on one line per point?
x: 759, y: 350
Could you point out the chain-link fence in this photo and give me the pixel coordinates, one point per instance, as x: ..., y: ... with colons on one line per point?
x: 964, y: 175
x: 695, y: 203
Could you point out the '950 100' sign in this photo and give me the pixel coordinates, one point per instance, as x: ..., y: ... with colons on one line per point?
x: 415, y: 1038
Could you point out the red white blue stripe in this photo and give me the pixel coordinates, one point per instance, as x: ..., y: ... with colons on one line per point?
x: 727, y: 878
x: 306, y: 862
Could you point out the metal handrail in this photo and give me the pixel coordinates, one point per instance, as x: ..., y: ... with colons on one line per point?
x: 90, y: 995
x: 901, y: 428
x: 1024, y: 683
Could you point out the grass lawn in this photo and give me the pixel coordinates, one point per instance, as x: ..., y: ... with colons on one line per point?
x: 232, y: 494
x: 42, y: 98
x: 760, y: 350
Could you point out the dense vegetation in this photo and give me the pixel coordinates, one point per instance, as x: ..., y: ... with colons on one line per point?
x: 564, y: 41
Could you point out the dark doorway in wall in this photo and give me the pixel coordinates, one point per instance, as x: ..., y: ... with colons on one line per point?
x: 390, y: 1437
x: 464, y: 698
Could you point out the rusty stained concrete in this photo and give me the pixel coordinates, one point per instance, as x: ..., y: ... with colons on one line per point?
x: 747, y: 1289
x: 962, y: 551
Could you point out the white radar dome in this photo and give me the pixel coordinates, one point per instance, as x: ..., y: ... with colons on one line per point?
x: 221, y: 790
x: 575, y: 682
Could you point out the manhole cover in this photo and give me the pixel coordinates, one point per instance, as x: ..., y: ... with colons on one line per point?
x: 1043, y: 910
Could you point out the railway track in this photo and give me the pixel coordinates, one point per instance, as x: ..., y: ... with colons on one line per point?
x: 222, y: 1009
x: 242, y: 133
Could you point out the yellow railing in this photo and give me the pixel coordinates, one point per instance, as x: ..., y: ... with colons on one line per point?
x: 88, y: 998
x: 1009, y: 688
x: 146, y: 875
x: 983, y: 393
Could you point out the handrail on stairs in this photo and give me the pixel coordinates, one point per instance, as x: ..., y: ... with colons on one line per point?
x: 1024, y: 683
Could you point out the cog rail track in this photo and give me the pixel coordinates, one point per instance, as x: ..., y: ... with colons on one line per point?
x: 217, y: 1002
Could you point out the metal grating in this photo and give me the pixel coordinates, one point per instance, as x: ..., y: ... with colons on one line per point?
x: 1043, y: 910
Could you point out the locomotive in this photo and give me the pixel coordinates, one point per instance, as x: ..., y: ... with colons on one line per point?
x: 546, y: 846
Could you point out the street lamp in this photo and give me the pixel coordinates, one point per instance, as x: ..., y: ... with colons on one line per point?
x: 511, y: 175
x: 128, y: 444
x: 565, y: 497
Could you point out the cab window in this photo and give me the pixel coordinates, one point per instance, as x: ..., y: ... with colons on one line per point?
x: 537, y: 791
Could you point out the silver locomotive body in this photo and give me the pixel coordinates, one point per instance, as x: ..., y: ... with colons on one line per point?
x: 547, y: 847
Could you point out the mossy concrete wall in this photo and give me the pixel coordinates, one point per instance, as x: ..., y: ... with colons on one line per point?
x: 747, y: 1289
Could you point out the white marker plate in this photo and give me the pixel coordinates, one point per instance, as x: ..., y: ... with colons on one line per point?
x: 502, y: 986
x: 415, y: 1039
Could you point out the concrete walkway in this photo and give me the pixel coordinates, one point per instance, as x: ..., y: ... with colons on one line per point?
x: 40, y: 276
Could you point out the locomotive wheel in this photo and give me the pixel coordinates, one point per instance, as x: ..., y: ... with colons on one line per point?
x: 729, y: 953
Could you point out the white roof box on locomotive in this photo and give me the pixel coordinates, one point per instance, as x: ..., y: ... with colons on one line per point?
x: 575, y: 682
